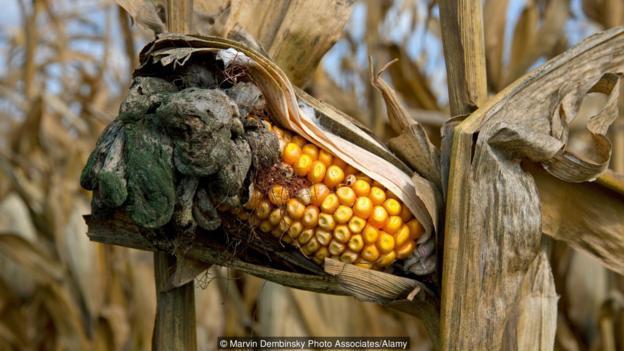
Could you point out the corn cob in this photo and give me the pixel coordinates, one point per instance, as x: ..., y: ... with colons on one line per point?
x: 333, y: 211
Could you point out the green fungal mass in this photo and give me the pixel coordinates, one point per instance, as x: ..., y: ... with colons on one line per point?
x: 151, y: 191
x: 88, y: 177
x: 112, y: 189
x: 178, y: 150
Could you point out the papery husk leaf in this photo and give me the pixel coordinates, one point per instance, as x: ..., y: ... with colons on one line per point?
x: 298, y: 114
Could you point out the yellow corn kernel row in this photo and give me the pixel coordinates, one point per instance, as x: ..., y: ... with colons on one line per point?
x: 343, y: 214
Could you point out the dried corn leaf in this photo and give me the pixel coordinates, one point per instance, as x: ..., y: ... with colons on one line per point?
x: 531, y: 42
x: 494, y: 20
x: 409, y: 80
x: 588, y: 216
x: 493, y: 209
x: 40, y: 265
x: 296, y: 34
x: 412, y: 144
x: 609, y: 13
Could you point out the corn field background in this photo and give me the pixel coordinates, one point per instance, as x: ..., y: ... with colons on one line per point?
x: 64, y: 69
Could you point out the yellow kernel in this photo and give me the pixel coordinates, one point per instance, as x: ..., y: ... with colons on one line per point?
x: 284, y: 224
x: 350, y: 170
x: 317, y: 172
x: 320, y: 255
x: 393, y: 224
x: 342, y: 233
x: 325, y: 157
x: 298, y: 140
x: 295, y: 208
x: 303, y: 165
x: 405, y: 250
x: 377, y: 195
x: 356, y: 243
x: 310, y: 217
x: 304, y: 196
x: 385, y: 242
x: 356, y: 224
x: 346, y: 195
x: 311, y: 150
x: 406, y: 214
x: 277, y: 232
x: 276, y: 216
x: 291, y: 153
x: 402, y: 236
x: 318, y: 193
x: 330, y: 204
x: 263, y: 210
x: 386, y: 259
x: 323, y: 236
x: 326, y: 221
x: 265, y: 226
x: 363, y: 207
x: 393, y: 207
x: 364, y: 265
x: 343, y: 214
x: 336, y: 248
x: 370, y: 234
x: 295, y: 229
x: 310, y: 247
x: 379, y: 217
x: 370, y: 253
x: 334, y: 176
x: 286, y: 239
x: 416, y: 229
x: 361, y: 187
x: 254, y: 200
x: 305, y: 236
x: 278, y: 195
x: 348, y: 256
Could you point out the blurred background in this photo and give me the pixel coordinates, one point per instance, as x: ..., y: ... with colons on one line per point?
x: 64, y: 68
